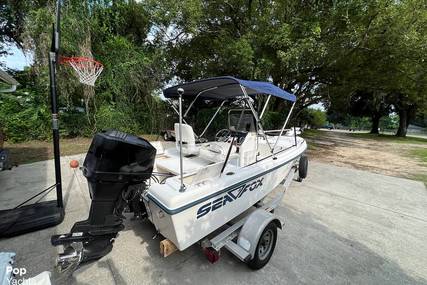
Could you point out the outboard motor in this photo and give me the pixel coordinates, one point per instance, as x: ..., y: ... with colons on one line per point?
x: 117, y: 167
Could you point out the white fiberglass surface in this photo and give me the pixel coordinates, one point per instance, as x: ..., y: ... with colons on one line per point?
x: 203, y: 177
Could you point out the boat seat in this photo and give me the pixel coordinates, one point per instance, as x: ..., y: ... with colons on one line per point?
x: 217, y: 151
x: 189, y: 146
x: 212, y: 171
x: 248, y: 150
x: 170, y: 163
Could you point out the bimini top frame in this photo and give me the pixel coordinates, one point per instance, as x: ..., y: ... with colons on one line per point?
x: 226, y: 87
x: 223, y: 89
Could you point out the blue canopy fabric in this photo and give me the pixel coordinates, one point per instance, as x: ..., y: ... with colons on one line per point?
x: 226, y: 87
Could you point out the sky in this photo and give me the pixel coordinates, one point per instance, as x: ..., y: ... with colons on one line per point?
x: 16, y: 59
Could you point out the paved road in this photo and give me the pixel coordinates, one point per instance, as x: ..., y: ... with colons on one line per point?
x: 342, y: 226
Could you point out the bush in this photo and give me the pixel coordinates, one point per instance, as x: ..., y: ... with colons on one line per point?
x: 118, y: 117
x: 74, y: 123
x: 317, y: 118
x: 202, y: 118
x: 24, y: 118
x: 272, y: 120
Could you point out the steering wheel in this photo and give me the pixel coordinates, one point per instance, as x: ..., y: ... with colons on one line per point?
x: 201, y: 140
x: 223, y: 135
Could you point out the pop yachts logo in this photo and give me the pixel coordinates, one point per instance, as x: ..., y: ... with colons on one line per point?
x: 15, y: 276
x: 229, y: 197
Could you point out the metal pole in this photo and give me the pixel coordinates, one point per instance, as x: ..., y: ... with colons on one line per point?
x: 255, y: 115
x: 53, y: 58
x: 284, y: 125
x: 177, y: 112
x: 210, y: 122
x: 181, y: 169
x: 260, y: 117
x: 197, y: 96
x: 295, y: 135
x: 265, y: 107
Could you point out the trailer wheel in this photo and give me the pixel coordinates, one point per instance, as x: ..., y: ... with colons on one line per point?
x: 265, y: 247
x: 302, y: 167
x: 166, y: 136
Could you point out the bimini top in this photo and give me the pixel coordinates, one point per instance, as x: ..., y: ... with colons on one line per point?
x: 226, y: 87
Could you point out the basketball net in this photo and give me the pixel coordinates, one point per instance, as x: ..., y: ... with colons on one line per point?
x: 87, y: 69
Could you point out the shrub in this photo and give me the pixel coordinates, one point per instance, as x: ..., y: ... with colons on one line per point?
x: 272, y: 120
x: 119, y: 117
x: 74, y: 123
x: 24, y: 118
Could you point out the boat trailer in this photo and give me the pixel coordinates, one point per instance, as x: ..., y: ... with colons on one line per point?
x: 251, y: 237
x: 248, y: 236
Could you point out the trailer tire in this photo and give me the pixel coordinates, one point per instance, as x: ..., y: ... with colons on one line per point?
x: 302, y: 167
x: 166, y: 136
x: 265, y: 247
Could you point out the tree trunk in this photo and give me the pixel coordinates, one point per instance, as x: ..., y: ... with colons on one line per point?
x: 403, y: 123
x: 375, y: 124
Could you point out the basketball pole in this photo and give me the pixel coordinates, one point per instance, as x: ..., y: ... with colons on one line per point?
x: 53, y: 60
x: 42, y: 214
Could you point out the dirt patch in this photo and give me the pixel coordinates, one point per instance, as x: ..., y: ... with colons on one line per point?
x: 384, y: 157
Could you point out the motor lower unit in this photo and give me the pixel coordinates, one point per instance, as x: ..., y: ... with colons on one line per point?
x: 118, y: 167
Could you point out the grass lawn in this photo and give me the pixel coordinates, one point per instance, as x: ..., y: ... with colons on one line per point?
x: 32, y: 151
x: 420, y: 153
x: 312, y: 134
x: 390, y: 138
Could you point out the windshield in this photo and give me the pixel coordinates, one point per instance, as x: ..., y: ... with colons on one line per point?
x: 241, y: 120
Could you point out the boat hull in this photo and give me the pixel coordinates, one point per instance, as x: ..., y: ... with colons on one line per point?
x: 187, y: 224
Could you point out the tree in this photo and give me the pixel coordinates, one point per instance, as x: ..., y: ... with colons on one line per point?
x: 12, y: 15
x: 360, y: 57
x: 388, y: 71
x: 372, y: 104
x: 315, y: 118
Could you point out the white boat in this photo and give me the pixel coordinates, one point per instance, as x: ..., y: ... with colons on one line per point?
x: 193, y: 187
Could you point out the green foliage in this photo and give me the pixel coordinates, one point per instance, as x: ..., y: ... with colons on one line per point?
x: 315, y: 118
x: 389, y: 66
x: 369, y: 54
x: 117, y: 117
x: 73, y: 123
x: 318, y: 118
x: 24, y: 117
x: 390, y: 122
x: 272, y: 120
x: 358, y: 123
x: 202, y: 118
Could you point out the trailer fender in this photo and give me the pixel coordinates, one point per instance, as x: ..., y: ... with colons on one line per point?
x: 253, y: 228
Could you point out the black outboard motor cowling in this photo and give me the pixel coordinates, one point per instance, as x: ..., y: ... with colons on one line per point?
x: 115, y: 161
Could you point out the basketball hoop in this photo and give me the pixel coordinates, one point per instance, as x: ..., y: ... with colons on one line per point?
x: 86, y: 68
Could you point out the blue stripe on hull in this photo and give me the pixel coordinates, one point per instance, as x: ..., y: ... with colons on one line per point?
x: 232, y: 187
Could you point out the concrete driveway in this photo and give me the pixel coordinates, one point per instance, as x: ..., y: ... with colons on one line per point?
x: 343, y: 226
